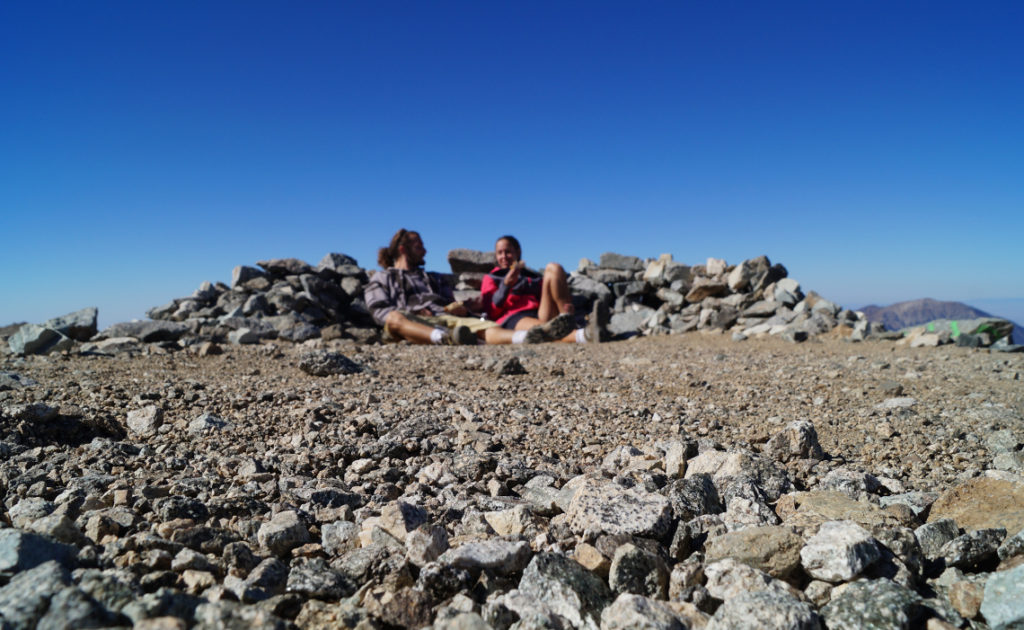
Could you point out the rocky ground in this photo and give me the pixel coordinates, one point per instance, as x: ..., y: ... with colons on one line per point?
x: 681, y: 481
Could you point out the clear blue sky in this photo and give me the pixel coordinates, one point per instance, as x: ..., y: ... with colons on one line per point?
x: 874, y: 148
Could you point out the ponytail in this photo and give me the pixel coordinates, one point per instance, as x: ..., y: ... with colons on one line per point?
x: 386, y: 256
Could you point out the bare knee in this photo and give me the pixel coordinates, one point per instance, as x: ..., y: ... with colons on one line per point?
x: 554, y: 269
x: 394, y: 320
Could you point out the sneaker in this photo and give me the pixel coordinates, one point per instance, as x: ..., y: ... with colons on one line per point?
x: 597, y: 324
x: 552, y: 330
x: 462, y: 336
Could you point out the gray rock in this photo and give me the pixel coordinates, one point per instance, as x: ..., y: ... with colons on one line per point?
x: 145, y: 421
x: 918, y: 502
x: 973, y: 549
x: 630, y: 321
x: 283, y: 533
x: 722, y: 466
x: 1003, y: 604
x: 71, y: 608
x: 269, y: 576
x: 26, y: 597
x: 20, y: 551
x: 1002, y: 441
x: 618, y: 261
x: 839, y: 551
x: 589, y: 288
x: 855, y: 484
x: 764, y: 610
x: 80, y: 325
x: 500, y: 556
x: 728, y: 578
x: 32, y: 412
x: 519, y: 610
x: 146, y: 332
x: 29, y: 509
x: 339, y: 537
x: 799, y: 440
x: 206, y: 423
x: 244, y: 336
x: 313, y: 578
x: 874, y: 605
x: 230, y: 615
x: 932, y: 536
x: 35, y: 339
x: 243, y: 274
x: 342, y: 264
x: 58, y: 527
x: 425, y: 544
x: 635, y: 612
x: 469, y: 260
x: 567, y: 588
x: 324, y: 363
x: 693, y: 496
x: 280, y: 267
x: 635, y: 570
x: 1012, y: 546
x: 10, y: 380
x: 606, y: 508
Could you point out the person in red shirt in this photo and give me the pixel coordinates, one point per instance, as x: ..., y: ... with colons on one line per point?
x: 519, y: 298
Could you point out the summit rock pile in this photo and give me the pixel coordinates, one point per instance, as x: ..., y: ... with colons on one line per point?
x: 288, y: 299
x: 672, y: 482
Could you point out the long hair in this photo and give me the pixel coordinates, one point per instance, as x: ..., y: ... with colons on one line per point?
x: 513, y: 241
x: 386, y: 256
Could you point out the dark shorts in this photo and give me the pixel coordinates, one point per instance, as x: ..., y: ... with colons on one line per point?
x: 513, y: 319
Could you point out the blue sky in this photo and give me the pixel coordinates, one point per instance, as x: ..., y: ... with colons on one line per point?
x: 874, y: 148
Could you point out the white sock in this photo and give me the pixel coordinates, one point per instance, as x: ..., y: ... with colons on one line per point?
x: 437, y: 335
x: 581, y: 337
x: 519, y: 336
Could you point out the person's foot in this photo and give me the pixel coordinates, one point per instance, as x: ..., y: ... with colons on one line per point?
x: 552, y: 330
x: 462, y: 336
x: 597, y: 324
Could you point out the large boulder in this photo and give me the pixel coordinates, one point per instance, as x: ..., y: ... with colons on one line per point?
x: 80, y: 325
x: 146, y: 332
x: 469, y: 260
x: 35, y: 339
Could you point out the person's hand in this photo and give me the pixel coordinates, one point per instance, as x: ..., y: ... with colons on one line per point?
x: 512, y: 276
x: 456, y: 308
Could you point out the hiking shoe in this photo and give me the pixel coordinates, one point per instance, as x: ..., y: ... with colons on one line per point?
x: 597, y: 324
x: 462, y: 336
x: 552, y: 330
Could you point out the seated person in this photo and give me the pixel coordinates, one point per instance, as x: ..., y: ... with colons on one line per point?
x: 420, y: 307
x: 519, y: 299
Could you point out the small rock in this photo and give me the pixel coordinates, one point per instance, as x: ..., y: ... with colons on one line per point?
x: 839, y: 551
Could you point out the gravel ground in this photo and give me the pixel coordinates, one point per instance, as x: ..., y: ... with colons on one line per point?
x: 918, y: 419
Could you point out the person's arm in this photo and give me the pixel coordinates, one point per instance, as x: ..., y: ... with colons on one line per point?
x: 489, y: 296
x: 377, y: 298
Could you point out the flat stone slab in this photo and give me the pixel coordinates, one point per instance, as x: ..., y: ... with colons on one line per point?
x: 983, y: 503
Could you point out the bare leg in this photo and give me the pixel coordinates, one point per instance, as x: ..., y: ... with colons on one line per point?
x: 495, y: 335
x: 527, y: 323
x: 401, y: 326
x: 555, y: 298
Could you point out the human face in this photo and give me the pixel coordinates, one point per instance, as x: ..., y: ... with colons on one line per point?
x: 415, y: 252
x: 506, y: 253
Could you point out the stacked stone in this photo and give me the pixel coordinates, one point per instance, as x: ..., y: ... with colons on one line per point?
x: 662, y: 296
x: 282, y: 298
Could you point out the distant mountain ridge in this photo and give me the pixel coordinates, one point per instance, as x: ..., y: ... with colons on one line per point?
x: 916, y: 312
